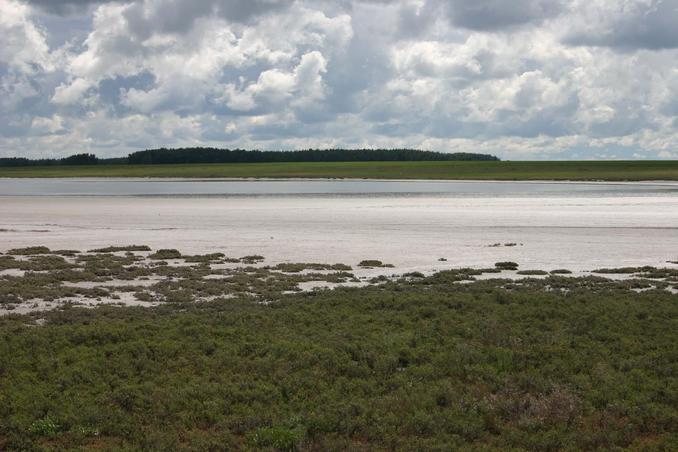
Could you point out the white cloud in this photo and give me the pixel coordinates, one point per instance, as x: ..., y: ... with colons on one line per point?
x: 70, y: 93
x: 47, y: 126
x: 24, y: 46
x: 524, y: 79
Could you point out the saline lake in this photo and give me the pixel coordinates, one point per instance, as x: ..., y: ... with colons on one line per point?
x: 411, y: 224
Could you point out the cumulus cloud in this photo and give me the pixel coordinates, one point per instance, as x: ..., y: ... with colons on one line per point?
x: 24, y: 45
x: 522, y: 79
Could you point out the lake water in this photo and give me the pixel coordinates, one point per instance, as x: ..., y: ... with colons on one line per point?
x: 239, y: 187
x: 411, y: 224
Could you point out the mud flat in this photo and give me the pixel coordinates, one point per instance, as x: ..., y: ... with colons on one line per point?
x: 578, y: 231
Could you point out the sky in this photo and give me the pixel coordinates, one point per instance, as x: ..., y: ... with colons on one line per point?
x: 521, y: 79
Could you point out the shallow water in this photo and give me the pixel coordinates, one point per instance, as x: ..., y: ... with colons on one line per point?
x: 555, y: 225
x: 240, y: 187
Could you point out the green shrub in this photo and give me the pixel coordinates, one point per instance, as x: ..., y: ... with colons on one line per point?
x: 165, y: 254
x: 45, y: 427
x: 252, y: 259
x: 29, y: 251
x: 115, y: 249
x: 533, y: 272
x: 280, y: 438
x: 506, y: 265
x: 373, y: 263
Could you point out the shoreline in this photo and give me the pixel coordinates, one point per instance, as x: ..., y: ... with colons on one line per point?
x: 667, y: 182
x: 40, y: 279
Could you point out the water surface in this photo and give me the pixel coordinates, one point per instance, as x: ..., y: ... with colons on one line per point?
x: 411, y: 224
x: 211, y: 187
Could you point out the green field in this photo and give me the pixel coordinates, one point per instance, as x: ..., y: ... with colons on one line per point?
x: 566, y: 170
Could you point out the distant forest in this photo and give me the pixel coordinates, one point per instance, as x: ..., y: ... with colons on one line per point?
x: 213, y: 155
x: 77, y: 159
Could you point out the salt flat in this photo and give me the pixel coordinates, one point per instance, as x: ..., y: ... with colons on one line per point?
x: 575, y: 230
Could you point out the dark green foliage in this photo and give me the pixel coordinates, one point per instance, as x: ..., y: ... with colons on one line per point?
x: 28, y: 251
x: 115, y: 249
x: 211, y: 155
x: 76, y: 159
x: 79, y: 159
x: 422, y: 364
x: 67, y: 253
x: 373, y: 263
x: 296, y: 268
x: 165, y: 254
x: 623, y: 270
x: 532, y: 272
x: 204, y: 258
x: 561, y: 271
x: 506, y: 265
x: 253, y: 259
x: 413, y: 275
x: 669, y: 274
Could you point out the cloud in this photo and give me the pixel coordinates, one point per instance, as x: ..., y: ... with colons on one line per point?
x: 523, y: 79
x: 628, y: 25
x: 175, y: 15
x: 493, y: 15
x: 65, y: 6
x: 70, y: 93
x: 24, y: 47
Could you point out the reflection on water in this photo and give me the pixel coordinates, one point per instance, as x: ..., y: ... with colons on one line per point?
x: 188, y: 187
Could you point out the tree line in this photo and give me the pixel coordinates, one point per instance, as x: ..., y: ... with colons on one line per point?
x: 214, y: 155
x: 76, y: 159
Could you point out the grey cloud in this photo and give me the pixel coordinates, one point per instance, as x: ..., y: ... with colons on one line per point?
x: 179, y: 16
x: 244, y: 10
x: 652, y: 25
x: 64, y: 7
x: 491, y: 15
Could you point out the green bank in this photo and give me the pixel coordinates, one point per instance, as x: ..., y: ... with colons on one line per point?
x: 479, y: 170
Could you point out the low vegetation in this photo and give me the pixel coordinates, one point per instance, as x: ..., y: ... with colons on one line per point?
x: 463, y: 170
x: 116, y: 249
x: 508, y: 265
x: 561, y: 271
x: 373, y: 263
x: 239, y: 358
x: 29, y: 251
x: 165, y: 254
x: 532, y: 272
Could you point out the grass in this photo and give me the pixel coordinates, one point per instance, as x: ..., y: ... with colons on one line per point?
x: 565, y: 170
